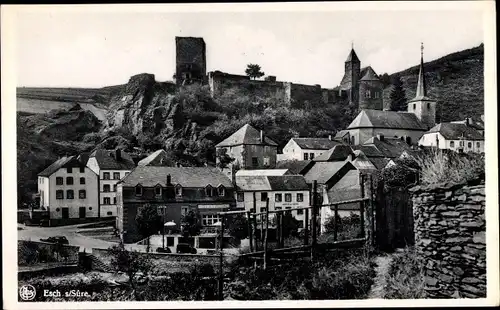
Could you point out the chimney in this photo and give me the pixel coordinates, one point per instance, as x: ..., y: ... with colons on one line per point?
x: 261, y: 136
x: 118, y: 154
x: 468, y: 121
x: 380, y: 137
x: 169, y: 179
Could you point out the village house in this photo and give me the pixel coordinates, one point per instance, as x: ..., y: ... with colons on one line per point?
x: 306, y: 148
x: 111, y: 166
x: 477, y: 125
x: 68, y: 191
x: 175, y: 191
x: 262, y: 172
x: 250, y: 148
x: 283, y: 191
x: 456, y: 136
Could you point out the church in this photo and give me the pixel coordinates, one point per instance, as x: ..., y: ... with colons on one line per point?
x: 372, y: 121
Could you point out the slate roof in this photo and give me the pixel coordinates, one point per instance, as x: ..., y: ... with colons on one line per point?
x: 352, y: 56
x: 193, y: 177
x: 389, y: 147
x: 370, y: 75
x: 272, y: 183
x: 295, y: 166
x: 349, y: 191
x: 155, y: 158
x: 246, y: 135
x: 322, y: 172
x: 369, y: 150
x: 362, y: 162
x: 341, y: 133
x: 386, y: 119
x: 336, y: 153
x: 454, y: 131
x: 65, y: 162
x: 379, y: 162
x: 107, y: 160
x: 479, y: 125
x: 262, y: 172
x: 315, y: 143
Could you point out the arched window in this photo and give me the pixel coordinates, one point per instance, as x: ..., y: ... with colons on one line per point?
x: 209, y: 190
x: 178, y: 190
x: 221, y: 190
x: 138, y: 190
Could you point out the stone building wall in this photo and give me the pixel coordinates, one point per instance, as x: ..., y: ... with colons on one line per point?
x: 450, y: 229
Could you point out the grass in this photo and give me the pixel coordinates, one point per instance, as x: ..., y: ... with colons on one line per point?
x: 405, y: 279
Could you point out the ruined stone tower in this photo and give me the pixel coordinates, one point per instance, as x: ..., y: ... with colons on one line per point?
x: 191, y: 62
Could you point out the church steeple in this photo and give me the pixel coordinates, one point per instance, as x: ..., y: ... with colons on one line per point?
x: 421, y: 86
x: 352, y: 56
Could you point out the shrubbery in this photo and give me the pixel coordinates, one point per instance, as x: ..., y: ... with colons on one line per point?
x: 405, y: 279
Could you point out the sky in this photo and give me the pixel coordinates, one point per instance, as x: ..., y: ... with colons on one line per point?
x: 101, y: 48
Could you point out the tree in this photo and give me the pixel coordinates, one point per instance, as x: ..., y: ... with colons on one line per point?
x: 148, y: 221
x: 254, y: 71
x: 386, y: 79
x: 237, y: 226
x: 398, y: 95
x: 223, y: 160
x: 190, y: 223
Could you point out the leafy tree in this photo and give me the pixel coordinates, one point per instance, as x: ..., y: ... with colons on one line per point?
x: 223, y: 159
x: 254, y: 71
x: 237, y: 226
x: 386, y: 79
x: 148, y: 221
x: 398, y: 95
x: 191, y: 224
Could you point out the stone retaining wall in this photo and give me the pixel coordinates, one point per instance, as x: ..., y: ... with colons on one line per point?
x: 450, y: 229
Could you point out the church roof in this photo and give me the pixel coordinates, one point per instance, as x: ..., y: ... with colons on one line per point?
x: 454, y: 131
x: 370, y: 75
x: 386, y: 119
x: 352, y: 56
x: 421, y: 94
x: 246, y: 135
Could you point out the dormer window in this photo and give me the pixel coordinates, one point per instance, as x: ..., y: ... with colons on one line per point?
x: 414, y: 106
x: 178, y: 190
x: 138, y: 190
x: 158, y: 190
x: 221, y: 190
x: 209, y: 191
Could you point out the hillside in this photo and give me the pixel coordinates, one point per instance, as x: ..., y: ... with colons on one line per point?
x: 456, y: 81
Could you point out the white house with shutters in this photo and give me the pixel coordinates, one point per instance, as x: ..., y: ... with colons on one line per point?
x: 458, y: 137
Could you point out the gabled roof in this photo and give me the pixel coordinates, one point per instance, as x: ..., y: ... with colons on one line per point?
x: 65, y: 162
x: 351, y: 190
x: 386, y: 119
x: 322, y: 172
x: 391, y: 148
x: 246, y: 135
x: 380, y: 162
x: 315, y: 143
x: 262, y: 172
x: 193, y: 177
x: 157, y: 158
x: 453, y: 131
x: 370, y: 75
x: 368, y: 150
x: 339, y: 152
x: 342, y: 133
x: 361, y: 162
x: 106, y: 159
x: 295, y: 166
x: 479, y: 125
x: 272, y: 183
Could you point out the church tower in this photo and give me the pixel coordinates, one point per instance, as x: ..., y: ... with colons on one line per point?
x: 422, y: 106
x: 350, y: 81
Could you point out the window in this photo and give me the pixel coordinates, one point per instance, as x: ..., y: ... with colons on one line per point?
x: 478, y: 144
x: 300, y: 197
x: 82, y: 169
x: 367, y: 94
x: 277, y: 208
x: 263, y: 196
x: 70, y: 194
x: 252, y: 210
x: 69, y: 180
x: 263, y: 209
x: 126, y: 173
x: 82, y: 180
x: 288, y: 197
x: 300, y: 211
x: 240, y: 196
x: 255, y: 161
x: 209, y: 191
x: 109, y: 213
x: 184, y: 210
x: 278, y: 197
x: 59, y: 194
x: 138, y: 190
x: 209, y: 219
x: 105, y: 175
x: 114, y: 188
x: 221, y: 191
x: 116, y: 175
x: 469, y: 145
x: 267, y: 161
x: 158, y: 190
x: 452, y: 143
x: 106, y: 188
x: 377, y: 94
x: 306, y: 156
x: 414, y: 106
x: 114, y: 200
x: 107, y: 200
x: 69, y: 170
x: 461, y: 143
x: 311, y: 156
x: 178, y: 190
x: 428, y: 105
x: 59, y: 181
x: 82, y: 194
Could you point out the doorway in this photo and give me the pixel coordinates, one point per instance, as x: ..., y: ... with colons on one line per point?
x: 82, y: 212
x: 65, y: 213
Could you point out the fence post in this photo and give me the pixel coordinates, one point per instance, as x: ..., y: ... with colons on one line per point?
x: 254, y: 234
x: 372, y: 211
x: 306, y: 228
x: 250, y: 237
x: 221, y: 260
x: 313, y: 224
x: 282, y: 238
x: 336, y: 222
x: 362, y: 205
x: 265, y: 238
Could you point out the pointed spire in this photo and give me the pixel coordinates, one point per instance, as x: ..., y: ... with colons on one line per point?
x: 352, y: 55
x: 421, y: 86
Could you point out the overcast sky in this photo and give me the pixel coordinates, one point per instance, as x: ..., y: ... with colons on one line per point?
x: 92, y: 49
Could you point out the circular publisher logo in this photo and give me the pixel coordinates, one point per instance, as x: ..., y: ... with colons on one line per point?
x: 27, y: 292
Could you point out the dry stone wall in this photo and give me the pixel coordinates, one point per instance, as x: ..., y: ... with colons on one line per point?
x: 450, y: 229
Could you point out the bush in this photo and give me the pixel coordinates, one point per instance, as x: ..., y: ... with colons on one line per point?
x: 405, y: 280
x: 349, y: 228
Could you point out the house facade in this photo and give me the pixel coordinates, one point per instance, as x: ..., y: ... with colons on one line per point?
x: 111, y: 167
x: 454, y: 136
x: 175, y: 191
x: 306, y: 148
x: 68, y: 191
